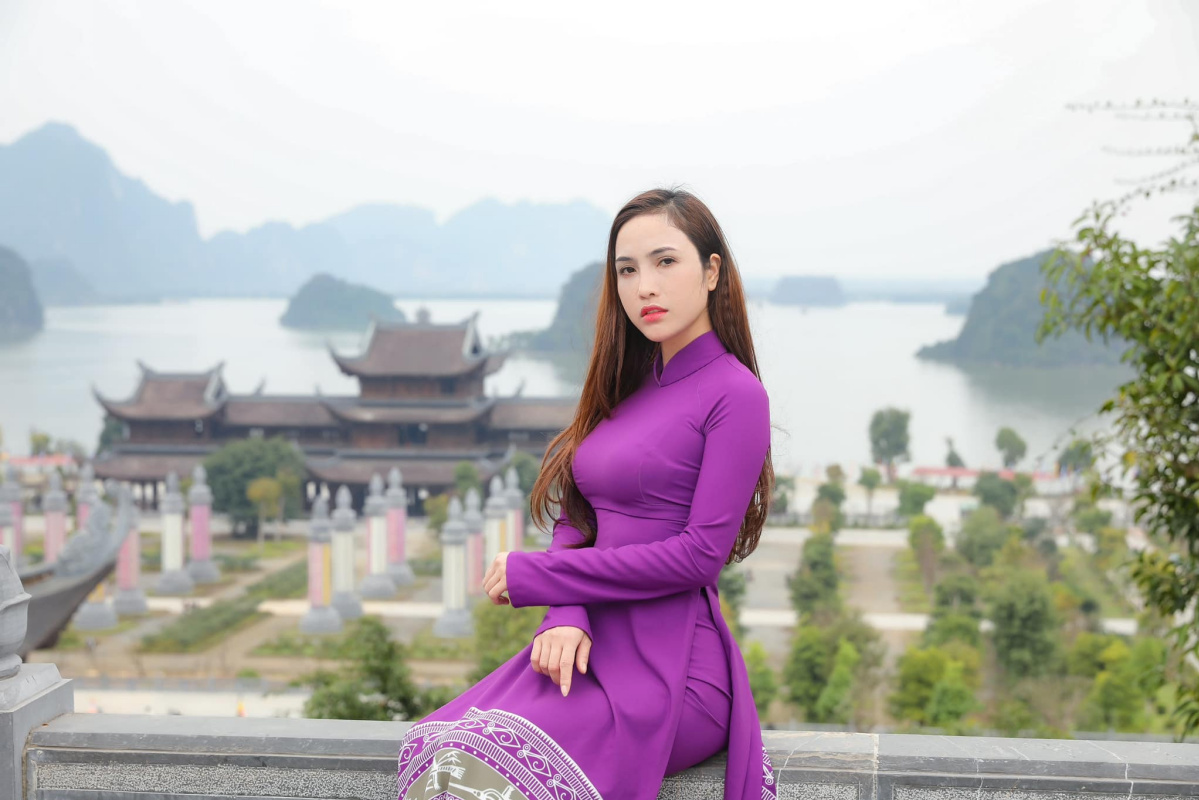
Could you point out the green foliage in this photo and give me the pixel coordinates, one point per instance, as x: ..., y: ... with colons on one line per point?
x: 982, y: 536
x: 889, y: 438
x: 1089, y: 518
x: 1010, y: 446
x: 466, y: 477
x: 731, y: 588
x: 1084, y: 657
x: 528, y: 467
x: 996, y: 492
x: 952, y: 627
x: 1116, y: 699
x: 951, y: 698
x: 870, y: 479
x: 1025, y: 634
x: 437, y: 509
x: 832, y: 492
x: 952, y: 457
x: 918, y: 672
x: 762, y: 682
x: 807, y: 667
x: 235, y: 465
x: 376, y: 684
x: 500, y: 633
x: 913, y: 497
x: 814, y: 585
x: 112, y: 432
x: 927, y: 540
x: 811, y: 660
x: 835, y: 702
x: 1146, y: 298
x: 1077, y: 456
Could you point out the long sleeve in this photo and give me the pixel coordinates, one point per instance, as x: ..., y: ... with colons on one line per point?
x: 736, y: 439
x: 564, y: 534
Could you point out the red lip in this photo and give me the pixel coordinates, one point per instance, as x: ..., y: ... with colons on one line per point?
x: 647, y: 310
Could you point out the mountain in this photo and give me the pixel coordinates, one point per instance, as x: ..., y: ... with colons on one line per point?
x: 58, y: 283
x: 573, y: 327
x: 1002, y: 321
x: 20, y: 310
x: 62, y: 197
x: 808, y: 290
x: 328, y: 303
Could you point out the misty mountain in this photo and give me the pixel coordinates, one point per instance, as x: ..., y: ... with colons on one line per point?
x: 328, y: 303
x: 20, y: 310
x: 808, y: 290
x: 58, y: 283
x: 61, y: 197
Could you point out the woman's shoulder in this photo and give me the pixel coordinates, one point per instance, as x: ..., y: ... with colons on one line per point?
x: 728, y: 382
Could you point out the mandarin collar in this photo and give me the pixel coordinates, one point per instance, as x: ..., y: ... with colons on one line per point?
x: 697, y: 353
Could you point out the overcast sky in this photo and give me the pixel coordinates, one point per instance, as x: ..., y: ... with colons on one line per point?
x: 924, y: 138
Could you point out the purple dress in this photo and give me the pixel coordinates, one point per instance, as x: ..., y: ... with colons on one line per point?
x: 670, y: 475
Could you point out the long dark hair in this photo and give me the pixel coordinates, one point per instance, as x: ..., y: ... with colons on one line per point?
x: 622, y: 354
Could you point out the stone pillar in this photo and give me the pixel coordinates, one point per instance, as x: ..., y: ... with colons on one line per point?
x: 473, y: 517
x: 7, y: 528
x: 30, y: 694
x: 495, y: 512
x: 516, y: 510
x: 174, y: 579
x: 321, y: 616
x: 199, y: 500
x: 54, y: 506
x: 455, y: 620
x: 377, y: 583
x: 130, y: 599
x: 344, y: 599
x: 96, y: 613
x: 397, y: 529
x: 85, y: 496
x: 10, y: 495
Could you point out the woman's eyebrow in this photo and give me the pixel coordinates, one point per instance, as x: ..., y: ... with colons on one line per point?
x: 653, y: 253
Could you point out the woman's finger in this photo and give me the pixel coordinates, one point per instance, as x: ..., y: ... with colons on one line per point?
x: 566, y: 664
x: 535, y: 656
x: 583, y: 653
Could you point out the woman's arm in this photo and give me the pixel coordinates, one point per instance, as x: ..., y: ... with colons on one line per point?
x: 736, y: 438
x: 573, y: 615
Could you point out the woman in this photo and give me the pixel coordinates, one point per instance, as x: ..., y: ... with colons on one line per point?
x: 663, y: 477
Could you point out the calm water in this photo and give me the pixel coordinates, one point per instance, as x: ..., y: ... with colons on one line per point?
x: 827, y: 371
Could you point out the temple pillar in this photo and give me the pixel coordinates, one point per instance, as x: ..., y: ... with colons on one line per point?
x: 54, y: 506
x: 344, y: 599
x: 455, y: 620
x: 96, y: 613
x: 130, y: 599
x: 397, y: 531
x: 495, y: 512
x: 473, y: 517
x: 321, y: 617
x: 10, y: 495
x: 377, y: 583
x: 174, y: 579
x: 516, y: 510
x: 199, y: 500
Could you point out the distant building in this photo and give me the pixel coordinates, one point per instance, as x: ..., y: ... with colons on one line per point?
x: 420, y: 407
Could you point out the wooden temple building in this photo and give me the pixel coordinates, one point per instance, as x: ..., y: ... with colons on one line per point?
x: 420, y: 407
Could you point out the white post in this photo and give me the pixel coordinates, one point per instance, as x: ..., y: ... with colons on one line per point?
x: 496, y: 514
x: 516, y: 510
x: 473, y: 517
x: 377, y: 583
x: 174, y: 579
x: 455, y: 620
x: 344, y: 599
x: 397, y: 529
x: 322, y: 617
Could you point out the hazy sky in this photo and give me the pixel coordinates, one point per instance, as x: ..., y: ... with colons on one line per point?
x: 860, y: 138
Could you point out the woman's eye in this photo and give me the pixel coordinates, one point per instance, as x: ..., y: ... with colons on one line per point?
x: 668, y: 258
x: 621, y: 271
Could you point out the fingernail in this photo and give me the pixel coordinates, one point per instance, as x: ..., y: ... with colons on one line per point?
x: 564, y: 690
x: 583, y: 668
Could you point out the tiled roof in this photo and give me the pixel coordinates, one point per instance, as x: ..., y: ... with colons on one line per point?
x: 279, y: 411
x: 533, y: 413
x: 408, y: 412
x: 420, y: 349
x: 163, y: 395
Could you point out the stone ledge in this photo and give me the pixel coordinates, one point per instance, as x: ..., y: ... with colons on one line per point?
x: 118, y: 757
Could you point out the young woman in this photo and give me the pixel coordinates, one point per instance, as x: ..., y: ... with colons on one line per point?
x: 663, y: 477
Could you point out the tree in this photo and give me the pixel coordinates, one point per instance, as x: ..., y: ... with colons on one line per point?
x: 982, y: 536
x: 919, y: 670
x: 500, y: 633
x: 927, y: 540
x: 375, y: 683
x: 833, y: 492
x: 1145, y: 296
x: 913, y: 497
x: 807, y: 668
x: 235, y: 465
x: 528, y: 467
x: 996, y: 492
x: 951, y: 698
x: 1077, y: 456
x: 112, y: 432
x: 814, y: 585
x: 1010, y: 446
x: 266, y: 494
x: 762, y: 683
x: 466, y: 477
x: 870, y: 480
x: 1116, y: 700
x: 437, y: 509
x: 731, y: 587
x: 889, y: 438
x: 952, y: 459
x: 835, y: 474
x: 39, y: 443
x: 835, y: 702
x: 1025, y: 633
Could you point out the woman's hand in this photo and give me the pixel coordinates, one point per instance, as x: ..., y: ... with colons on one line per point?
x: 556, y: 651
x: 495, y: 582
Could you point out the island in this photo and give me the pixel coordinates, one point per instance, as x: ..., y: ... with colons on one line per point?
x: 573, y: 327
x: 808, y: 290
x: 21, y: 314
x: 329, y: 303
x: 1001, y: 324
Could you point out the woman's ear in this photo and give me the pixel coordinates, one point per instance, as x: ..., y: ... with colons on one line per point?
x: 713, y: 273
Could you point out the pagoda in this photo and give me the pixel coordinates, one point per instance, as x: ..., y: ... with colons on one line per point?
x: 420, y: 406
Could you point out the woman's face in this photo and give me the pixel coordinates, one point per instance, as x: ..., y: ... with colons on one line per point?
x: 661, y: 283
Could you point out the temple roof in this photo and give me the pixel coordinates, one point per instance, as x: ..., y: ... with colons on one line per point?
x: 533, y: 413
x: 170, y: 395
x: 146, y: 465
x: 420, y: 349
x: 279, y: 411
x: 404, y: 412
x: 357, y: 467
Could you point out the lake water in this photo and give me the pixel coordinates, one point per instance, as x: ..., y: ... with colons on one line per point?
x: 826, y: 370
